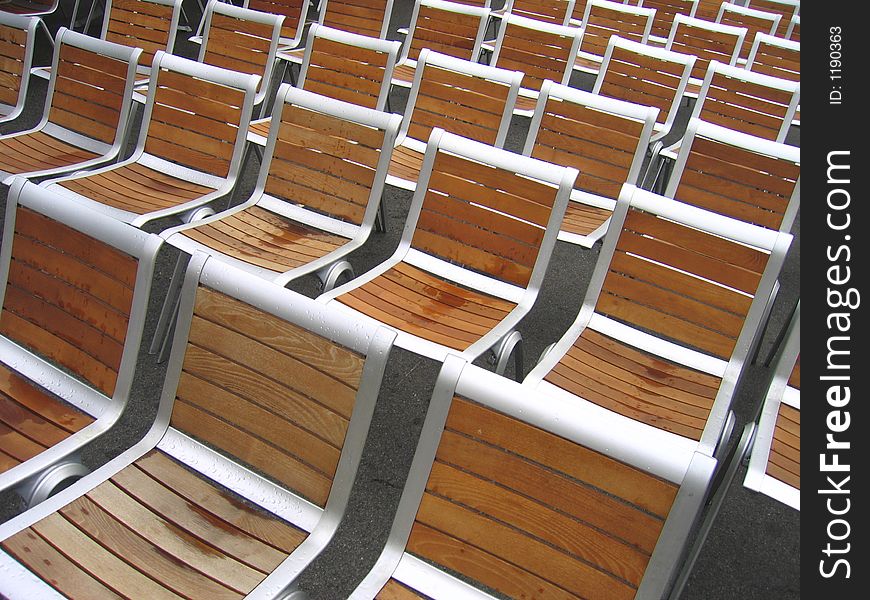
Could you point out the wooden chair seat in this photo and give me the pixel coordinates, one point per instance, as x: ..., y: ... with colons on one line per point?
x: 156, y: 520
x: 32, y: 420
x: 413, y: 300
x: 406, y: 164
x: 39, y: 151
x: 134, y: 188
x: 774, y: 460
x: 262, y: 238
x: 403, y: 75
x: 636, y: 384
x: 583, y: 220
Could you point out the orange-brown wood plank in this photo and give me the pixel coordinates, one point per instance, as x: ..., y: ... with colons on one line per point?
x: 265, y: 239
x: 637, y: 385
x: 414, y: 301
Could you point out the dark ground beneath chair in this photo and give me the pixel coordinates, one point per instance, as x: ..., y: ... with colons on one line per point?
x: 752, y: 551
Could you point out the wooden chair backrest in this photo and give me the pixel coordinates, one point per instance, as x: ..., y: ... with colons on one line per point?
x: 292, y: 10
x: 737, y: 181
x: 484, y: 218
x: 347, y: 72
x: 364, y: 17
x: 14, y: 43
x: 600, y: 144
x: 194, y: 122
x: 666, y: 11
x: 529, y: 513
x: 681, y: 283
x: 775, y: 57
x: 606, y: 19
x: 748, y: 105
x: 706, y: 42
x: 755, y: 22
x: 458, y: 102
x: 325, y: 163
x: 68, y: 298
x: 89, y: 93
x: 708, y: 9
x: 785, y: 8
x: 238, y: 43
x: 143, y: 24
x: 537, y: 53
x: 642, y: 78
x: 454, y: 33
x: 266, y: 392
x: 550, y: 11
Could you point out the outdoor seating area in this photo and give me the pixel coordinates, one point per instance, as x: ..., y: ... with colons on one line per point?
x: 400, y: 299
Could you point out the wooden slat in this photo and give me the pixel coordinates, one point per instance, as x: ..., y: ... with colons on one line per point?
x: 636, y: 384
x: 151, y: 560
x: 55, y: 568
x: 526, y: 512
x: 217, y: 503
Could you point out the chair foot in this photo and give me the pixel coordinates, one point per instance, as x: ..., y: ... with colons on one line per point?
x: 48, y: 482
x: 329, y: 275
x: 512, y: 343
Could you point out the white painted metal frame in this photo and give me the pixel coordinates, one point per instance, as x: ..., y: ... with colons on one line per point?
x: 511, y: 79
x: 320, y: 523
x: 683, y: 21
x: 793, y: 24
x: 691, y: 470
x: 440, y: 141
x: 687, y: 61
x: 778, y: 392
x: 778, y: 150
x: 254, y: 16
x: 36, y: 478
x: 482, y: 13
x: 222, y: 186
x: 666, y: 443
x: 356, y: 235
x: 564, y: 30
x: 107, y: 152
x: 624, y: 7
x: 645, y: 114
x: 10, y: 112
